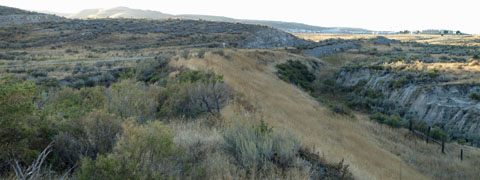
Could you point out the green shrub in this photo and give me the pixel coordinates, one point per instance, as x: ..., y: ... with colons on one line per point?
x: 476, y: 56
x: 154, y: 71
x: 422, y: 127
x: 340, y: 109
x: 373, y: 94
x: 475, y: 96
x: 438, y: 133
x: 297, y: 73
x: 201, y: 53
x: 461, y: 141
x: 431, y: 74
x: 18, y: 125
x: 69, y: 103
x: 142, y: 152
x: 193, y: 93
x: 92, y: 135
x: 259, y: 148
x: 194, y: 76
x: 101, y: 129
x: 131, y: 99
x: 379, y: 117
x: 393, y: 121
x: 377, y: 67
x: 185, y: 54
x: 399, y: 83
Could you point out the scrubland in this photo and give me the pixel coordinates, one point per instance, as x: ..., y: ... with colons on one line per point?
x: 197, y: 110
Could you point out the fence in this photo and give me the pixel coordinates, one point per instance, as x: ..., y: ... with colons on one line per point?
x: 428, y: 139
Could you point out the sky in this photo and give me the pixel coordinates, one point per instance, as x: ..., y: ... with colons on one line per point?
x: 369, y: 14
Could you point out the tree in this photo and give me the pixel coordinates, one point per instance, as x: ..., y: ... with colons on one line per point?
x: 458, y: 32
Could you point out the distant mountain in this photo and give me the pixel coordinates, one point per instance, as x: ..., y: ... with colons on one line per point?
x: 119, y: 12
x: 9, y: 15
x: 124, y: 12
x: 55, y: 13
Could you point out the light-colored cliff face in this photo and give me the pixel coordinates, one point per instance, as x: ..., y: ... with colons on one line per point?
x: 448, y: 106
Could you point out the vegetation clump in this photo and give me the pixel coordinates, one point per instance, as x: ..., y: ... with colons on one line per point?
x: 296, y: 73
x: 475, y: 96
x: 143, y: 152
x: 438, y: 133
x: 393, y: 120
x: 399, y: 82
x: 258, y: 148
x: 193, y: 93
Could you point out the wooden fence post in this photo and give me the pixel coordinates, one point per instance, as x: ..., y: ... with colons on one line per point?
x: 410, y: 125
x: 461, y: 154
x: 428, y: 133
x: 443, y: 146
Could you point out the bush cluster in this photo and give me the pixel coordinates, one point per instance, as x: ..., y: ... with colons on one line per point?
x: 142, y: 152
x: 399, y: 82
x: 258, y: 147
x: 393, y: 121
x: 296, y: 73
x: 475, y: 96
x: 192, y: 93
x: 439, y: 134
x: 86, y: 122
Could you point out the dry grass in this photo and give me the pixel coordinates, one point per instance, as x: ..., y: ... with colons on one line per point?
x: 283, y: 105
x: 426, y: 158
x: 373, y: 151
x: 321, y: 37
x: 469, y: 40
x: 459, y: 72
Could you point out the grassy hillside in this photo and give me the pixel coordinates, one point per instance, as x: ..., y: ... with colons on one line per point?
x: 373, y: 151
x: 185, y: 99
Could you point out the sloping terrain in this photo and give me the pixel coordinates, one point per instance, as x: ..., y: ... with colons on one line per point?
x: 16, y: 16
x: 447, y: 105
x: 372, y: 150
x: 138, y: 34
x: 285, y: 106
x: 124, y: 12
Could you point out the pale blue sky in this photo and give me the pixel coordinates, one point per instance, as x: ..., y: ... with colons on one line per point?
x: 370, y: 14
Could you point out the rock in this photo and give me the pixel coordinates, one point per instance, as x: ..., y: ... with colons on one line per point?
x: 447, y: 106
x: 331, y: 48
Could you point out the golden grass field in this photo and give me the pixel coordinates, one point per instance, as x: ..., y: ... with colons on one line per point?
x: 469, y: 40
x: 373, y: 151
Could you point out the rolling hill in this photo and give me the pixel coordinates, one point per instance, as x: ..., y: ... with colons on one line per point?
x: 292, y: 27
x: 247, y: 57
x: 17, y: 16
